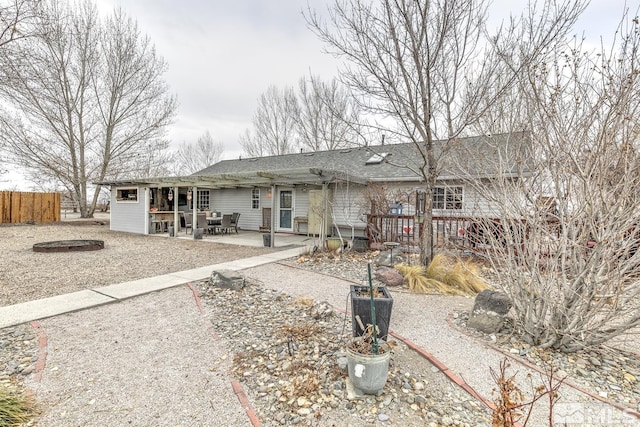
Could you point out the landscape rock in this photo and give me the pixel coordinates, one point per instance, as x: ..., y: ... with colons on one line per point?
x: 227, y: 279
x: 489, y: 311
x: 297, y: 364
x: 385, y: 258
x: 389, y: 276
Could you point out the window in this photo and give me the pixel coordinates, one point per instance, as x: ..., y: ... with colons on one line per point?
x: 127, y: 195
x: 255, y: 198
x: 203, y: 200
x: 449, y: 198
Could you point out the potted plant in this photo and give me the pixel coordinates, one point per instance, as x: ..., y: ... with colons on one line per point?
x: 368, y: 363
x: 361, y: 307
x: 367, y: 355
x: 333, y: 243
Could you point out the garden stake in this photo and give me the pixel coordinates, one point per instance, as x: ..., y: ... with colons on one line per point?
x: 374, y: 347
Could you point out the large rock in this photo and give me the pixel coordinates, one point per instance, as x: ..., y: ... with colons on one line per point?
x: 489, y: 311
x: 227, y: 279
x: 389, y: 276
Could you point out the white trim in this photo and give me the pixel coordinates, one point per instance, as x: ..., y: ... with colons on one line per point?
x: 292, y: 209
x: 137, y: 200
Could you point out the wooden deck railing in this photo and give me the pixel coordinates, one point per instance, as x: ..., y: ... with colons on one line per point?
x: 455, y: 232
x: 406, y: 230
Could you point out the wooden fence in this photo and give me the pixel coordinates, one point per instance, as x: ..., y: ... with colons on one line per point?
x: 26, y: 207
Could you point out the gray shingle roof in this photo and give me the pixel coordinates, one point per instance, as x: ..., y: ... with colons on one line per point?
x: 468, y: 156
x: 481, y: 156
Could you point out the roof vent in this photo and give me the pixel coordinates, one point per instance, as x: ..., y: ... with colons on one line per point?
x: 376, y: 159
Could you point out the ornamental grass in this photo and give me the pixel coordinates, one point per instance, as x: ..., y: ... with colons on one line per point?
x: 15, y: 408
x: 446, y: 275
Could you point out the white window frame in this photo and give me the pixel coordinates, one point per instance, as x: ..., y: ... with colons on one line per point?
x: 255, y: 198
x: 452, y: 198
x: 201, y: 198
x: 130, y: 191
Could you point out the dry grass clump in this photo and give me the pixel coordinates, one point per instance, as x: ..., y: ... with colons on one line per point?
x: 304, y: 302
x: 299, y: 332
x: 15, y: 408
x: 446, y: 275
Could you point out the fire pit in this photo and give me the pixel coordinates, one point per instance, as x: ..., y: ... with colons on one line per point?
x: 69, y: 246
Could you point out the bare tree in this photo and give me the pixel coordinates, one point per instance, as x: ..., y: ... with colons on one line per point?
x: 273, y: 124
x: 191, y: 158
x: 328, y: 118
x: 17, y: 19
x: 567, y: 251
x: 87, y: 99
x: 424, y: 66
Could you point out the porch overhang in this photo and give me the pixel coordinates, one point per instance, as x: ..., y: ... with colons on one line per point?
x: 285, y: 177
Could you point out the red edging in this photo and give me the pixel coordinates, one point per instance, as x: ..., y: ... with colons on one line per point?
x: 459, y: 381
x: 244, y: 401
x: 442, y: 368
x: 445, y: 370
x: 536, y: 368
x: 42, y: 349
x: 237, y: 387
x: 203, y: 312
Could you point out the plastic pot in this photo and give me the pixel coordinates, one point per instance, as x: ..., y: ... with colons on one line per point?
x: 368, y: 372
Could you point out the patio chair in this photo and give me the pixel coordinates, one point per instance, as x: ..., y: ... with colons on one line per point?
x: 234, y: 220
x: 202, y: 221
x: 225, y: 224
x: 187, y: 222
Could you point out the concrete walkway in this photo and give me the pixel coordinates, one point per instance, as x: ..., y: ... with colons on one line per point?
x: 47, y: 307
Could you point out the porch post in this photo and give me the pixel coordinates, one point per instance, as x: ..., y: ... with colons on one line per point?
x: 274, y: 189
x: 194, y: 210
x: 176, y: 216
x: 146, y: 210
x: 323, y: 224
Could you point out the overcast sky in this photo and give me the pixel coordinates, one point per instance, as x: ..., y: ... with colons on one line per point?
x: 222, y: 54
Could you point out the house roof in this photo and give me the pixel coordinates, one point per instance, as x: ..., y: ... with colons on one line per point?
x: 481, y: 156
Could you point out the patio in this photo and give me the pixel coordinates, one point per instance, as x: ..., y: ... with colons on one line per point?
x: 249, y: 238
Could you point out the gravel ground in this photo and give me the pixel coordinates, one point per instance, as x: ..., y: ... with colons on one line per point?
x: 123, y: 358
x: 150, y: 360
x: 26, y: 275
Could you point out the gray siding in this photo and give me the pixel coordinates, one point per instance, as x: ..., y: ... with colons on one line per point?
x: 229, y: 200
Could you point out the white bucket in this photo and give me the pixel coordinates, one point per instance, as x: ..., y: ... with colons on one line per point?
x: 368, y: 372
